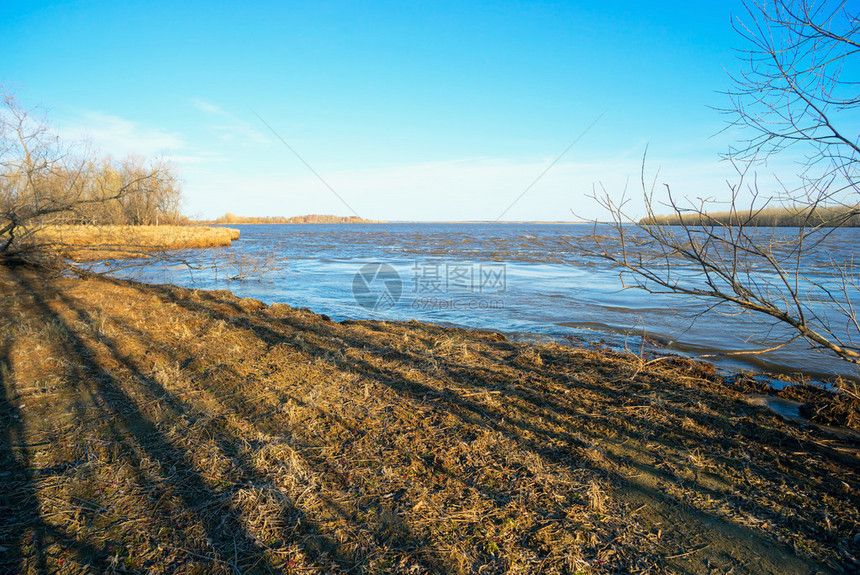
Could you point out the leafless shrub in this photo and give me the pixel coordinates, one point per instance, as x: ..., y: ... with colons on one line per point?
x: 232, y: 266
x: 739, y: 267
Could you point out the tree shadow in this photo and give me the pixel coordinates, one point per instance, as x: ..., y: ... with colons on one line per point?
x: 228, y: 538
x: 18, y: 509
x: 537, y: 422
x: 535, y: 415
x: 118, y: 402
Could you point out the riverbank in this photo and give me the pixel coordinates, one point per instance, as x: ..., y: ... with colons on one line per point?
x: 161, y: 429
x: 92, y: 243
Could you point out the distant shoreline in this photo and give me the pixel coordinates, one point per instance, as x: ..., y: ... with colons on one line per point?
x: 777, y: 217
x: 535, y: 222
x: 258, y: 223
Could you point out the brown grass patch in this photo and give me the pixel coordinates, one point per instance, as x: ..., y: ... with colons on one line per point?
x: 157, y: 429
x: 89, y: 243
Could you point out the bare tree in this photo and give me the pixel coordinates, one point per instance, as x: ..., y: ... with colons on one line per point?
x: 796, y: 96
x: 798, y: 89
x: 45, y: 182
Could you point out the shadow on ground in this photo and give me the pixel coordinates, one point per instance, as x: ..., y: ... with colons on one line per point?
x: 151, y: 428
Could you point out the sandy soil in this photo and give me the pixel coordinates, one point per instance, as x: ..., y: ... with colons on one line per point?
x: 157, y: 429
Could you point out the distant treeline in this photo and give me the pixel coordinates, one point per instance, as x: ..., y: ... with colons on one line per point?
x: 229, y: 218
x: 842, y: 216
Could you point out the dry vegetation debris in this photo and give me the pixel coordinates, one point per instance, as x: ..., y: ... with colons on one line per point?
x: 159, y: 429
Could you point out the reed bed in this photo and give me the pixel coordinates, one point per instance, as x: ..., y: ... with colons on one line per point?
x: 89, y: 243
x: 163, y: 430
x: 806, y: 217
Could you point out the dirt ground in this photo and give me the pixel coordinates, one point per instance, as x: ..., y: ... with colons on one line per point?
x: 163, y: 430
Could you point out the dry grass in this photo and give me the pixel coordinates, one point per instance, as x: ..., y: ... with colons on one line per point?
x: 89, y: 243
x: 843, y: 216
x: 162, y: 430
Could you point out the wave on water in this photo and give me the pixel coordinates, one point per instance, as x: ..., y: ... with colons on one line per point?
x: 487, y: 276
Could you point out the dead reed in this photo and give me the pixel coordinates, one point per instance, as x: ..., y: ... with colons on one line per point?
x: 89, y: 243
x: 163, y: 430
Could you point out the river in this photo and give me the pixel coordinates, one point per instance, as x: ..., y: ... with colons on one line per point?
x: 530, y: 281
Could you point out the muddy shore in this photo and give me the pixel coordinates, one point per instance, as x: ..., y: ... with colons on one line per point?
x: 160, y: 429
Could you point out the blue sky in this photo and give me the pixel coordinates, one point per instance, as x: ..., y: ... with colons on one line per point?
x: 410, y: 111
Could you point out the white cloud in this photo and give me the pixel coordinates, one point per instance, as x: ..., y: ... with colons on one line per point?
x: 208, y: 107
x: 466, y: 189
x: 230, y: 128
x: 119, y: 136
x: 221, y: 178
x: 201, y: 158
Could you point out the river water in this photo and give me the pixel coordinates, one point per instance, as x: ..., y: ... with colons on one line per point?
x: 530, y: 281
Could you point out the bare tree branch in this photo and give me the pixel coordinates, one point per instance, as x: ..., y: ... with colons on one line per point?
x: 44, y: 182
x: 794, y: 91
